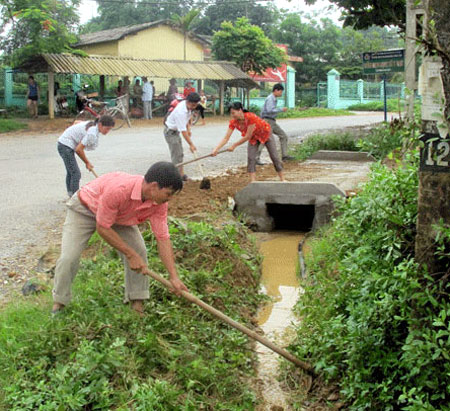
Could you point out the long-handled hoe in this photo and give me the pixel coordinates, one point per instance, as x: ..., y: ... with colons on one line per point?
x: 252, y: 334
x: 206, y: 182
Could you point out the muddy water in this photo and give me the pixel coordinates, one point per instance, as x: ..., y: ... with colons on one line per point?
x: 279, y: 281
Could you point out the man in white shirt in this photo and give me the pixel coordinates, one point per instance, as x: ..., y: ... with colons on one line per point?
x: 178, y: 122
x: 147, y: 97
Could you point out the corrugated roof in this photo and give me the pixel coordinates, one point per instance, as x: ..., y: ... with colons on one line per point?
x: 120, y: 66
x: 120, y: 32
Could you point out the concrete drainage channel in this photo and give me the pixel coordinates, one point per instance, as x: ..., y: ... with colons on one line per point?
x: 281, y: 213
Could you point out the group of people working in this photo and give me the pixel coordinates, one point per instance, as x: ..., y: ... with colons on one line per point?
x: 115, y: 203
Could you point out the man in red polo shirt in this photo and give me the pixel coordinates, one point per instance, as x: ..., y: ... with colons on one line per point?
x: 114, y: 204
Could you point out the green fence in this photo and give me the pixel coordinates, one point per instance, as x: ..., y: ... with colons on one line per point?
x: 342, y: 94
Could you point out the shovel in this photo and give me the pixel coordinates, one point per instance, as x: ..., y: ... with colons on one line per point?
x: 252, y: 334
x: 206, y: 182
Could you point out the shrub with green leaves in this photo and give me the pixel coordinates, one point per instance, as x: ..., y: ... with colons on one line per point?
x: 383, y: 139
x: 372, y: 320
x: 98, y: 354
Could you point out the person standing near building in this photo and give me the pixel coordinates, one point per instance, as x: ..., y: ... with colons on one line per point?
x: 188, y: 89
x: 173, y: 89
x: 137, y: 93
x: 269, y: 113
x: 147, y: 97
x: 33, y: 97
x: 178, y: 122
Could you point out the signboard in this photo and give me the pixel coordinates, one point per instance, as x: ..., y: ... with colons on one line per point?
x: 435, y: 154
x: 383, y: 62
x: 277, y: 75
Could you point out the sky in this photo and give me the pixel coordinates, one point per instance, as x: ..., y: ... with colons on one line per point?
x: 89, y: 7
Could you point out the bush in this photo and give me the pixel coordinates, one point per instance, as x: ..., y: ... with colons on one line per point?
x: 384, y: 139
x: 372, y: 320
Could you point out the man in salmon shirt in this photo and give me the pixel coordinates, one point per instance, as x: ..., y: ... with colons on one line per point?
x: 114, y: 204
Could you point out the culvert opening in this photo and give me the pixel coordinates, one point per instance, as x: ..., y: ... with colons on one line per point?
x: 296, y: 217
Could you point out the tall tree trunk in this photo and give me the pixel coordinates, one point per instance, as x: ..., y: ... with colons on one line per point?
x: 434, y: 186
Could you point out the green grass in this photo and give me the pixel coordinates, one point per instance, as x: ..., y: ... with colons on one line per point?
x: 313, y: 112
x: 316, y: 142
x: 393, y: 105
x: 98, y: 354
x: 11, y: 125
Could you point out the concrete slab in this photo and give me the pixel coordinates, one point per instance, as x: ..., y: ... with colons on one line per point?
x: 334, y: 155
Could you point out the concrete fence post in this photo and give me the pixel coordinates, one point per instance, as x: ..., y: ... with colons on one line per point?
x: 8, y: 73
x: 360, y: 87
x: 76, y: 82
x: 290, y: 87
x: 333, y: 80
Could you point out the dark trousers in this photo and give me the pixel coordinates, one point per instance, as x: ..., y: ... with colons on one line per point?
x: 201, y: 109
x: 73, y: 173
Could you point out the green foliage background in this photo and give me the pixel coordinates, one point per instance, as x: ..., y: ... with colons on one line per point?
x: 372, y: 320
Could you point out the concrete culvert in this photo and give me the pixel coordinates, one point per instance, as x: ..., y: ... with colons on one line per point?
x: 300, y: 206
x: 297, y: 217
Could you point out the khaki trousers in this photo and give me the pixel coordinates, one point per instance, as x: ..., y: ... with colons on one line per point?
x: 277, y: 130
x: 79, y: 226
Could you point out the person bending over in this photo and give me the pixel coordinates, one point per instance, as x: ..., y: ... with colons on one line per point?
x: 113, y: 205
x: 255, y: 131
x: 75, y: 140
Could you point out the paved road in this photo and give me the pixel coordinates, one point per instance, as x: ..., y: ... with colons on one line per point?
x: 32, y: 185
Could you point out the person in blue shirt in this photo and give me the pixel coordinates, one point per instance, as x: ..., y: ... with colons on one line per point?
x: 32, y: 97
x: 269, y: 113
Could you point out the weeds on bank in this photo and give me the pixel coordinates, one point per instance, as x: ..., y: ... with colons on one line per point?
x: 99, y: 355
x: 372, y: 320
x: 316, y: 142
x: 10, y: 125
x: 379, y: 142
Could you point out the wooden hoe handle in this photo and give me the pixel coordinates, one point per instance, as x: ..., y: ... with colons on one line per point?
x: 200, y: 158
x: 188, y: 296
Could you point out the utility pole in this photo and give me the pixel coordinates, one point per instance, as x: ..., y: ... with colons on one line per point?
x: 434, y: 170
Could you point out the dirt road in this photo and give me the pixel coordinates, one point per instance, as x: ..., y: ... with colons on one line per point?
x: 32, y: 175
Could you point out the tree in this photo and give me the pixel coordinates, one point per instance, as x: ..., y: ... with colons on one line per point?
x: 36, y: 26
x: 184, y: 23
x: 247, y: 46
x: 115, y: 14
x: 434, y: 187
x: 263, y: 16
x: 361, y: 14
x: 324, y: 46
